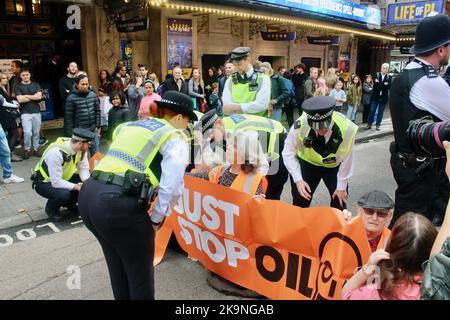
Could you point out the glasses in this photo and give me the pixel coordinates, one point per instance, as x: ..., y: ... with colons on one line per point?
x: 380, y: 213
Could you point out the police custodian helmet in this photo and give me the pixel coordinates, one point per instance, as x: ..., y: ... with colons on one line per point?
x: 319, y: 111
x: 431, y: 33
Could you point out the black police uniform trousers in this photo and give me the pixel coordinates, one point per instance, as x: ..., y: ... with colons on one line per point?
x: 278, y: 174
x: 312, y: 175
x: 57, y: 197
x: 124, y: 230
x: 426, y: 194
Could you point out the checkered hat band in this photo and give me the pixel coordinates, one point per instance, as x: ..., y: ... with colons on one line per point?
x: 211, y: 121
x: 321, y: 117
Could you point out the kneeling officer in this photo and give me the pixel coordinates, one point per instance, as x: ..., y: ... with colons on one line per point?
x: 59, y: 174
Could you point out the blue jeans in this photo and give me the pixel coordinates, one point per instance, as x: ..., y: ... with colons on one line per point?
x: 351, y: 112
x: 5, y: 155
x: 95, y: 147
x: 276, y: 114
x: 373, y: 108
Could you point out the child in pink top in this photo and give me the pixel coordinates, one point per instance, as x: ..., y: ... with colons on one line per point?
x: 151, y: 96
x: 397, y: 271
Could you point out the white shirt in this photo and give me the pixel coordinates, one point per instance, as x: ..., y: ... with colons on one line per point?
x: 430, y: 94
x: 173, y: 165
x: 54, y: 161
x: 262, y: 99
x: 293, y: 165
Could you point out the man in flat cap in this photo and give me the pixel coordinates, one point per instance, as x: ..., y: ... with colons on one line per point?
x: 375, y: 209
x: 246, y: 90
x: 59, y: 174
x: 320, y: 145
x: 416, y: 92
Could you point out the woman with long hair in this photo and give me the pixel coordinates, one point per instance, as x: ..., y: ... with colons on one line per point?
x: 398, y: 269
x: 195, y: 88
x: 155, y: 80
x: 8, y: 118
x: 104, y: 80
x: 354, y: 96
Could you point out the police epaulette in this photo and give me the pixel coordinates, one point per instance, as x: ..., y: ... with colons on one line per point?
x: 297, y: 124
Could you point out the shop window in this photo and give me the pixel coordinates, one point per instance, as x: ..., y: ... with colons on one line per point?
x: 39, y: 8
x: 15, y: 8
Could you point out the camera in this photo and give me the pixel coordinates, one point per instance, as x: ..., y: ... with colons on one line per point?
x: 425, y: 136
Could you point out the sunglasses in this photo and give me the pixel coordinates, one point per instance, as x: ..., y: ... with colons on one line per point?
x: 380, y: 213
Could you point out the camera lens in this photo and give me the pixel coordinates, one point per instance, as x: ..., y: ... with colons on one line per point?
x: 425, y: 137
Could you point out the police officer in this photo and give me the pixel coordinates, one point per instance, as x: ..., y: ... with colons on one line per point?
x: 416, y: 92
x: 246, y: 90
x: 320, y: 145
x: 59, y: 174
x: 215, y: 130
x: 145, y: 155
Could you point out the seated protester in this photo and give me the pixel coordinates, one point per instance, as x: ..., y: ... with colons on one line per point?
x: 375, y: 209
x: 436, y: 274
x: 211, y: 133
x: 59, y: 174
x: 119, y: 113
x: 398, y: 269
x: 242, y: 156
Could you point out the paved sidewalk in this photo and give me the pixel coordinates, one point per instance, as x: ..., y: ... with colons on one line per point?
x: 20, y: 204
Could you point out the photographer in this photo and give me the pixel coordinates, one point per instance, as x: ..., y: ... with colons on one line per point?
x: 416, y: 92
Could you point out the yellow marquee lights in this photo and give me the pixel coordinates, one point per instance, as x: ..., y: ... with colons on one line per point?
x: 285, y: 20
x: 406, y: 39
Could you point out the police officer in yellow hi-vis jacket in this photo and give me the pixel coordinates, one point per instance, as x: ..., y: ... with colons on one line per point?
x: 59, y: 173
x: 145, y: 155
x: 245, y: 91
x: 320, y: 145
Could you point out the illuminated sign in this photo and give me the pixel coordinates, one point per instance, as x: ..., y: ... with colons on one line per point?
x: 336, y: 8
x: 412, y: 12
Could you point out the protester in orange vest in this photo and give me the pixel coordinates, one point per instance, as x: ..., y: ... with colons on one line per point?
x: 240, y: 174
x: 241, y: 171
x: 375, y: 211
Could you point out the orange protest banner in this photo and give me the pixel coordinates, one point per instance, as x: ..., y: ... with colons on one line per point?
x: 276, y: 249
x: 162, y: 238
x: 94, y: 160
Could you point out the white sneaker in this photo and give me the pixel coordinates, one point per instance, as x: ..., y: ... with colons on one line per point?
x: 13, y: 179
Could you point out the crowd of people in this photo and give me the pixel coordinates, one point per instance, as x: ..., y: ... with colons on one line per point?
x: 232, y: 123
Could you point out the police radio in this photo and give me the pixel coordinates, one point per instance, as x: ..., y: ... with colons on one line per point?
x: 308, y: 142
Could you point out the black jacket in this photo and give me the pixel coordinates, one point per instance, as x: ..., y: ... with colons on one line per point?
x: 82, y: 110
x: 65, y: 84
x: 381, y: 86
x: 117, y: 116
x: 170, y: 85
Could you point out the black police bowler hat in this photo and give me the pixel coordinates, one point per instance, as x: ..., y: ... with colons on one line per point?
x: 82, y: 134
x: 178, y: 102
x: 431, y: 33
x: 319, y: 111
x: 239, y: 53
